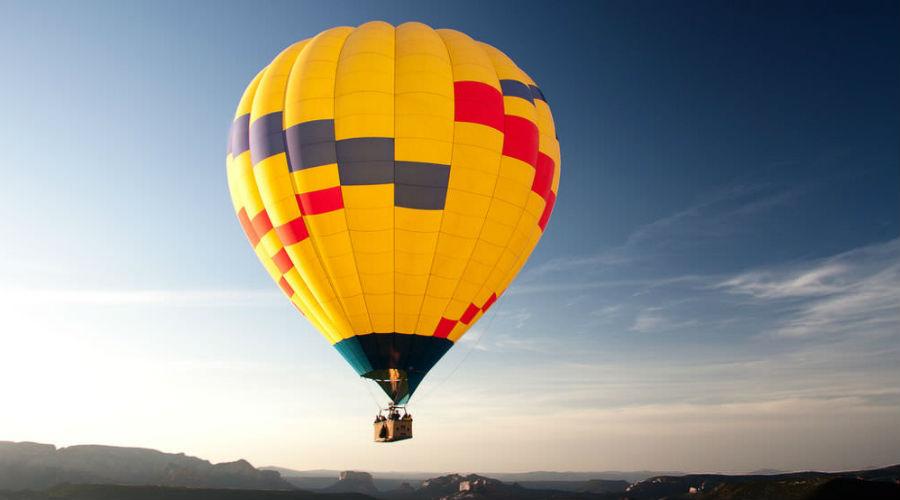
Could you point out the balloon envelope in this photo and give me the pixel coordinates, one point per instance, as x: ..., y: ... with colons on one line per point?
x: 393, y: 182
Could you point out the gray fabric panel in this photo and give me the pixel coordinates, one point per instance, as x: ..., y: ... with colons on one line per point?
x: 366, y: 160
x: 239, y: 140
x: 517, y: 89
x: 311, y: 144
x: 266, y: 137
x: 311, y: 155
x: 365, y: 149
x: 421, y: 174
x: 315, y: 131
x: 422, y: 197
x: 536, y: 92
x: 357, y: 173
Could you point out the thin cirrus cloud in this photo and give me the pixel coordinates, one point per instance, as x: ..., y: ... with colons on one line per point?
x: 855, y: 292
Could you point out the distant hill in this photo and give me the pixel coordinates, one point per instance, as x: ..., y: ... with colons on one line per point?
x: 823, y: 488
x: 353, y: 482
x: 40, y: 466
x: 119, y: 492
x: 791, y: 485
x: 111, y: 473
x: 509, y: 477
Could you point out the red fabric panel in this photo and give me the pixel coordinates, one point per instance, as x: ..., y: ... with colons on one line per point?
x: 470, y: 313
x: 283, y: 261
x: 247, y: 226
x: 320, y: 202
x: 489, y: 302
x: 292, y: 232
x: 543, y: 175
x: 261, y: 223
x: 285, y: 287
x: 548, y: 208
x: 520, y: 139
x: 477, y: 102
x: 444, y: 327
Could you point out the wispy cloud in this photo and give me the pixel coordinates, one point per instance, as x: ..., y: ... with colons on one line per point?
x: 854, y: 292
x: 718, y: 214
x: 713, y: 218
x: 820, y: 280
x: 653, y: 320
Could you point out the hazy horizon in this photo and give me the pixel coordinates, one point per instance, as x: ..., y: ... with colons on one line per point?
x: 718, y: 288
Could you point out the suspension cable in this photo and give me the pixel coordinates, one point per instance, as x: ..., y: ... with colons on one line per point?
x: 369, y: 390
x: 487, y: 328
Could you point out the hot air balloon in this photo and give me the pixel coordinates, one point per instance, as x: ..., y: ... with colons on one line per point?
x: 393, y: 181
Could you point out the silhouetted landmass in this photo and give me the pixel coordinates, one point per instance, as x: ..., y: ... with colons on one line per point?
x: 120, y: 492
x: 30, y: 471
x: 351, y: 481
x: 506, y: 477
x: 787, y: 485
x: 476, y: 487
x: 603, y: 486
x: 809, y: 489
x: 39, y: 466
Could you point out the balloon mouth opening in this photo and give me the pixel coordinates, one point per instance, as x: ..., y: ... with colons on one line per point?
x: 393, y: 381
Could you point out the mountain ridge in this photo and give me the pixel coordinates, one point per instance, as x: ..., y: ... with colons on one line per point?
x: 29, y: 465
x: 35, y: 471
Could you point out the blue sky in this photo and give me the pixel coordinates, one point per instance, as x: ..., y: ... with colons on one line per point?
x: 721, y: 273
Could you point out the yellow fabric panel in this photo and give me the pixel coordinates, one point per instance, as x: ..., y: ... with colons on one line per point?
x: 364, y: 86
x: 484, y: 157
x: 337, y: 243
x: 246, y: 184
x: 470, y: 62
x: 364, y: 220
x: 516, y: 106
x: 416, y: 243
x: 423, y: 149
x: 270, y: 243
x: 232, y: 184
x: 368, y: 242
x: 246, y: 102
x: 477, y: 135
x: 516, y: 171
x: 343, y: 266
x: 504, y: 66
x: 408, y: 220
x: 554, y: 153
x: 269, y: 97
x: 504, y: 213
x: 545, y: 122
x: 273, y: 180
x: 310, y: 88
x: 464, y: 179
x: 423, y: 96
x: 327, y: 224
x: 316, y: 178
x: 509, y: 188
x: 372, y: 264
x: 372, y: 196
